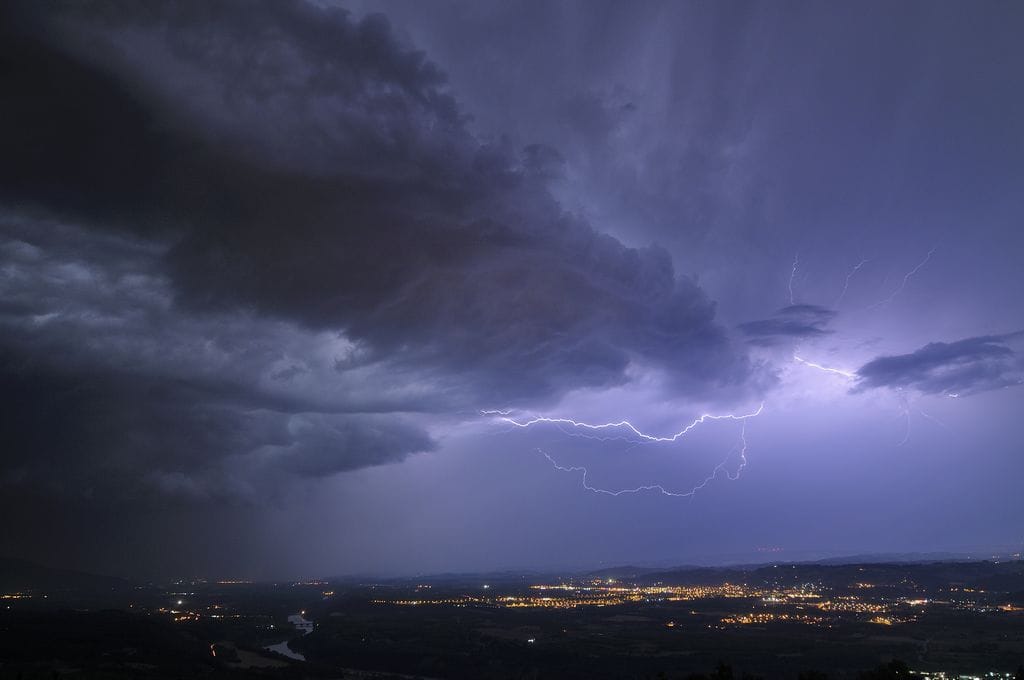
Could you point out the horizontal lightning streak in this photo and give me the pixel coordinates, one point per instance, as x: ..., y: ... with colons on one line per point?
x: 811, y: 364
x: 733, y: 476
x: 628, y: 425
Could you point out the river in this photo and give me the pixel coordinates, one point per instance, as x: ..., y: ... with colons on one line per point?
x: 300, y: 623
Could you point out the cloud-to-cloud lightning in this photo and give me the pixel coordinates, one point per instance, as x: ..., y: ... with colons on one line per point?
x: 826, y: 369
x: 732, y: 476
x: 625, y: 424
x: 633, y: 433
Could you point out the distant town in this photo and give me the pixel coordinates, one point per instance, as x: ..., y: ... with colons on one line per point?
x: 941, y: 620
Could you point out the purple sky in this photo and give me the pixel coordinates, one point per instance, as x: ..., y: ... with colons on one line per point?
x: 264, y: 265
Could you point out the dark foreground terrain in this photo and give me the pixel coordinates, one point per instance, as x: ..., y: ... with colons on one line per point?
x: 778, y: 621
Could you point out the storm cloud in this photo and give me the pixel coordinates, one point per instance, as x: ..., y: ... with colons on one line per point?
x: 112, y: 392
x: 262, y: 265
x: 956, y: 368
x: 789, y: 323
x: 252, y: 237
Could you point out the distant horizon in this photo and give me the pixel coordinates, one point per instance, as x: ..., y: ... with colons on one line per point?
x: 739, y: 563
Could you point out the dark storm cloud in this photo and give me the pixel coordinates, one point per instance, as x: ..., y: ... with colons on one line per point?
x: 111, y: 393
x: 113, y: 438
x: 311, y: 167
x: 317, y: 439
x: 789, y: 323
x: 239, y: 234
x: 956, y: 368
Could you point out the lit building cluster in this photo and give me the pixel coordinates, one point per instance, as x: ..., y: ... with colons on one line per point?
x: 769, y: 617
x: 658, y: 592
x: 212, y: 611
x: 565, y: 602
x: 456, y: 601
x: 809, y: 603
x: 852, y: 605
x: 943, y: 675
x: 593, y: 594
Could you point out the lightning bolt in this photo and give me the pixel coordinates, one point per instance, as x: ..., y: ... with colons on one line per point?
x: 846, y: 374
x: 658, y: 487
x: 588, y: 430
x: 934, y: 419
x: 625, y: 424
x: 905, y: 405
x: 906, y: 414
x: 792, y: 275
x: 906, y: 278
x: 846, y: 285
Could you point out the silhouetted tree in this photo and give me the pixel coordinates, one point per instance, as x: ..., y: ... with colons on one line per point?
x: 1019, y: 675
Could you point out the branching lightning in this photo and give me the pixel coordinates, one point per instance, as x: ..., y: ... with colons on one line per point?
x: 658, y: 487
x: 625, y: 424
x: 905, y: 412
x: 792, y: 275
x: 846, y: 284
x: 635, y: 434
x: 905, y: 406
x: 906, y: 278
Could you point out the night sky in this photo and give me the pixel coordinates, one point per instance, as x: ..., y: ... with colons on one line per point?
x: 285, y: 287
